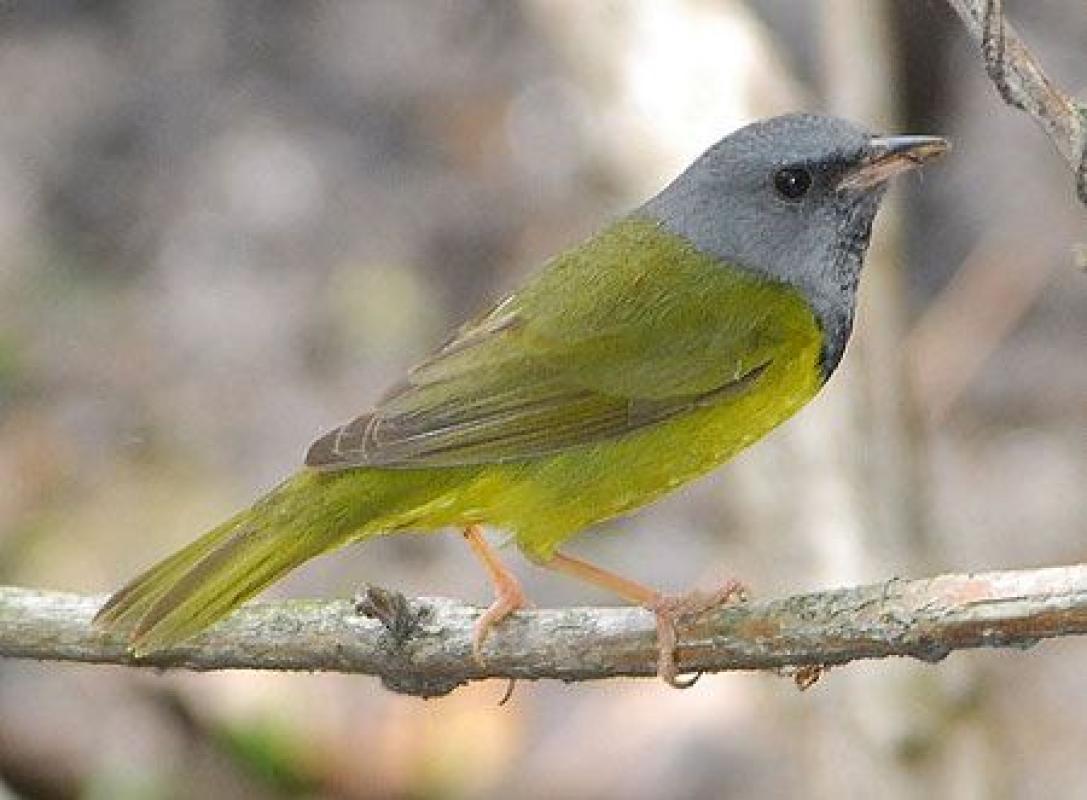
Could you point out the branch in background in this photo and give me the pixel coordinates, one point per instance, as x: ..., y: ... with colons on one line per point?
x: 423, y: 646
x: 1023, y: 84
x: 963, y: 326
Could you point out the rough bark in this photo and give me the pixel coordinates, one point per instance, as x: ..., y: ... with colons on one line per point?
x: 1019, y: 78
x: 423, y: 646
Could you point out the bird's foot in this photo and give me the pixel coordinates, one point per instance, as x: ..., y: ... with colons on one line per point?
x: 674, y: 610
x: 508, y: 597
x: 508, y: 594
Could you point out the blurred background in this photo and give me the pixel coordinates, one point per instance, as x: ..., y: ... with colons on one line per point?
x: 226, y: 227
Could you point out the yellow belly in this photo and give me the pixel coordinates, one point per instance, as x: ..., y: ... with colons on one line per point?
x: 545, y: 502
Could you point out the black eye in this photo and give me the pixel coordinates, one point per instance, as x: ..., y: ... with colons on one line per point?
x: 792, y: 183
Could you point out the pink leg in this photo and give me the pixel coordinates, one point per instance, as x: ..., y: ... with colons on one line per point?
x: 508, y: 595
x: 670, y: 610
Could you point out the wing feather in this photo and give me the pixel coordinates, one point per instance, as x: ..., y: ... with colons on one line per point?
x: 572, y: 360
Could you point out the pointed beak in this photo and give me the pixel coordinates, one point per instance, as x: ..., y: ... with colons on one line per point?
x: 887, y: 156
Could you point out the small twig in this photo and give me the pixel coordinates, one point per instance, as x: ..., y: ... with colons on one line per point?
x: 925, y: 619
x: 994, y: 50
x: 1022, y: 83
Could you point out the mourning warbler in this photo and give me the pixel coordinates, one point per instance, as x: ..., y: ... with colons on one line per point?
x: 627, y: 366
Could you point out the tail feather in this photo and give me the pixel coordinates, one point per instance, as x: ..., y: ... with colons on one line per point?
x: 126, y: 606
x: 250, y: 559
x: 307, y: 515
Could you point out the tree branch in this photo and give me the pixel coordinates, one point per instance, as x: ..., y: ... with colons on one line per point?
x: 1022, y: 83
x: 423, y: 646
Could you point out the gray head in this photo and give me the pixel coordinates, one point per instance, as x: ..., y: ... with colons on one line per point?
x: 792, y: 199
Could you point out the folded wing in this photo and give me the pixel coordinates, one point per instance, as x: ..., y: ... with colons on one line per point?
x: 570, y: 360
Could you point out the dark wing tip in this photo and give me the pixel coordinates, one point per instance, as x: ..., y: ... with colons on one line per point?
x: 342, y: 447
x: 323, y: 452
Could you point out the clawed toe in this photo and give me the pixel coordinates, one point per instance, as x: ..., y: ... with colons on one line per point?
x: 508, y: 595
x: 508, y: 598
x: 673, y: 610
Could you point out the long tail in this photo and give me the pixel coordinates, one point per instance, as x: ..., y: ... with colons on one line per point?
x: 305, y: 516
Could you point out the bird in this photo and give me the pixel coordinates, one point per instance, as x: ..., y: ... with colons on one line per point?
x: 626, y: 366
